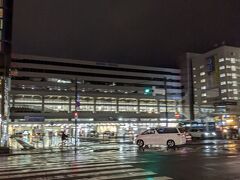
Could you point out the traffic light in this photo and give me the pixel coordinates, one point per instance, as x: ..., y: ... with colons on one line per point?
x: 75, y: 115
x: 148, y: 91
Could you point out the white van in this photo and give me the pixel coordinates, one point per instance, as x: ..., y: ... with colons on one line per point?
x: 161, y: 136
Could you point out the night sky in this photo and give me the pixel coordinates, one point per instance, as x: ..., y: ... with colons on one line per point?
x: 143, y: 32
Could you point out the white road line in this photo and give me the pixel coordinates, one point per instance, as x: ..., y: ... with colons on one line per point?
x: 96, y: 175
x: 54, y: 173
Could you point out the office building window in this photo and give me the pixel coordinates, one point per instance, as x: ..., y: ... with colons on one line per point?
x: 203, y: 87
x: 203, y: 80
x: 221, y: 60
x: 202, y: 66
x: 233, y: 68
x: 233, y: 60
x: 234, y: 83
x: 234, y: 75
x: 202, y: 73
x: 222, y: 67
x: 222, y: 75
x: 204, y: 101
x: 224, y: 98
x: 223, y: 91
x: 223, y: 83
x: 235, y: 91
x: 204, y: 95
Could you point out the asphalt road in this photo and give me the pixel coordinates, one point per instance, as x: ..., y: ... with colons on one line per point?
x: 126, y: 161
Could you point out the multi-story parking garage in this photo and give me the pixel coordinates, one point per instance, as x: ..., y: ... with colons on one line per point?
x: 110, y: 96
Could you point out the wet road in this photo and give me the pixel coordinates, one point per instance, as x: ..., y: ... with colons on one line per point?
x: 126, y: 161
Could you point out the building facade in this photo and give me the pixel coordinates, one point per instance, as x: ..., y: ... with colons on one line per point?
x: 6, y: 8
x: 109, y: 97
x: 216, y: 85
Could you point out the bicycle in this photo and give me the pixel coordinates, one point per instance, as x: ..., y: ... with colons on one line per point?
x: 65, y: 143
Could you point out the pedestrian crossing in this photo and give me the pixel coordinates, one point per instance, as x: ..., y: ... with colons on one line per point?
x: 69, y: 166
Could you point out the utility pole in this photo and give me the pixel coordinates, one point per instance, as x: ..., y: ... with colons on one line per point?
x: 166, y: 102
x: 76, y: 114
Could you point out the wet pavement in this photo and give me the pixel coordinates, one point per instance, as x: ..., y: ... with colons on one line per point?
x: 209, y: 160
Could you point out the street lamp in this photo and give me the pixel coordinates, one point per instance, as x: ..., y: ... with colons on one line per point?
x: 166, y: 102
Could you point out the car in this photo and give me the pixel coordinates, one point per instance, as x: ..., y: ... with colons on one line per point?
x: 201, y: 133
x: 161, y: 136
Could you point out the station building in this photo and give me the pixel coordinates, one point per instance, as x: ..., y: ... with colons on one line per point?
x: 46, y: 92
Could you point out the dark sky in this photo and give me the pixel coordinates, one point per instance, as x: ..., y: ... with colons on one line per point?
x: 144, y: 32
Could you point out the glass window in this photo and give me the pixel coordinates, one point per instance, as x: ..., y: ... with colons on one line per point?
x: 222, y: 75
x: 1, y: 23
x: 202, y: 66
x: 223, y: 83
x: 148, y: 102
x: 160, y: 130
x: 170, y: 130
x: 149, y: 109
x: 56, y: 99
x: 106, y: 108
x: 127, y: 101
x: 221, y: 60
x: 1, y: 12
x: 83, y: 108
x: 127, y: 108
x: 233, y: 68
x: 222, y: 67
x: 56, y: 108
x: 203, y: 80
x: 233, y: 60
x: 106, y: 100
x: 28, y: 99
x: 203, y: 87
x: 202, y: 73
x: 150, y: 131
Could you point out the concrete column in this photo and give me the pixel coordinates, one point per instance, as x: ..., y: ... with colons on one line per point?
x: 158, y: 106
x: 43, y: 99
x: 138, y: 106
x: 117, y: 105
x: 94, y: 104
x: 69, y: 105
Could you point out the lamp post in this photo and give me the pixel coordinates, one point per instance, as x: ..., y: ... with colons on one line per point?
x: 75, y: 113
x: 166, y: 103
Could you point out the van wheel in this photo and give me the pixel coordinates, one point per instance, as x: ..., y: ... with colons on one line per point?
x: 140, y: 143
x: 170, y: 143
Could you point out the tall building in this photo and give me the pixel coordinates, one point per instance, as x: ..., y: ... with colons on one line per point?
x: 114, y: 97
x: 216, y: 85
x: 6, y: 8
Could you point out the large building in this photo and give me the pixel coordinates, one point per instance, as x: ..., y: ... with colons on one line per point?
x: 215, y: 85
x: 110, y: 97
x: 6, y: 7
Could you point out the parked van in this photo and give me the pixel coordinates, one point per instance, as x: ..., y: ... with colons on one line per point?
x: 161, y: 136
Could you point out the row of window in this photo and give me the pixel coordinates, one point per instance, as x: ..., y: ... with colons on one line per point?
x: 66, y: 108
